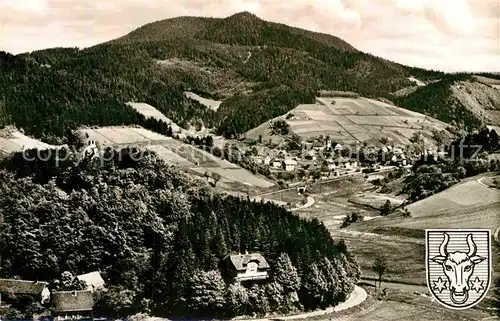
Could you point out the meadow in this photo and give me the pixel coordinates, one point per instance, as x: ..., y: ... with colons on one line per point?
x: 350, y: 120
x: 175, y: 152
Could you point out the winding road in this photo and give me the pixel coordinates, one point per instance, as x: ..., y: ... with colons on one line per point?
x: 496, y: 233
x: 310, y: 202
x: 357, y: 297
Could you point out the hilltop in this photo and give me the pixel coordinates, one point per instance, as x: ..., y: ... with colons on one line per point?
x: 258, y: 69
x: 239, y: 72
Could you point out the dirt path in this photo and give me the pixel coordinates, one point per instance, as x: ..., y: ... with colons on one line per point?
x: 357, y: 297
x: 309, y: 203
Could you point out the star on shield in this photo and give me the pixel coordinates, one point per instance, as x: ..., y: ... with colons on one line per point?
x: 477, y: 285
x: 439, y: 285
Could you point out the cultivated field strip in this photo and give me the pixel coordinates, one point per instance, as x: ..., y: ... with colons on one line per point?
x: 466, y: 205
x: 212, y: 104
x: 149, y: 111
x: 169, y: 156
x: 173, y: 152
x: 15, y: 141
x: 350, y: 120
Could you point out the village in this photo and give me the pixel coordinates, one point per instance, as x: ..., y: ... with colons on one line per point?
x: 326, y: 160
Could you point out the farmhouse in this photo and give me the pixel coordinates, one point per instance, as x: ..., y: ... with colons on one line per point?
x: 93, y: 280
x: 310, y: 155
x: 331, y: 164
x: 257, y: 159
x: 338, y: 147
x: 318, y: 146
x: 289, y: 164
x: 267, y: 160
x: 246, y: 267
x: 341, y: 162
x: 91, y: 149
x: 72, y: 305
x: 351, y: 164
x: 33, y: 288
x: 277, y: 163
x: 399, y: 159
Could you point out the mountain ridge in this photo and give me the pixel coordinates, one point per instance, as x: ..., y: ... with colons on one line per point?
x: 259, y: 69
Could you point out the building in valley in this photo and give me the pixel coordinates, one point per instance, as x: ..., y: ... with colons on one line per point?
x: 71, y: 305
x: 93, y: 280
x: 289, y: 164
x: 11, y: 288
x: 246, y: 267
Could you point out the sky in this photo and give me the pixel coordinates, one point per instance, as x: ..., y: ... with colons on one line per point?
x: 449, y: 35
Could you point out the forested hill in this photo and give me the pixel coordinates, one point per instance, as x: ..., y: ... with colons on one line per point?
x: 464, y: 100
x: 261, y: 69
x: 159, y: 238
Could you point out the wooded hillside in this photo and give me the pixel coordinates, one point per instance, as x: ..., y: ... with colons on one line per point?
x: 158, y: 237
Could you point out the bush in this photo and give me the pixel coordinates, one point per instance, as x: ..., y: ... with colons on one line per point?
x: 351, y: 218
x: 386, y: 208
x: 405, y: 213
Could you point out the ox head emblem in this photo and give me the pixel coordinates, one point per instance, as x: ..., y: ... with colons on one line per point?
x: 458, y: 266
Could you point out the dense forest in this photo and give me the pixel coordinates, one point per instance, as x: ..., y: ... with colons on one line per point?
x: 260, y: 69
x: 437, y: 101
x: 158, y: 237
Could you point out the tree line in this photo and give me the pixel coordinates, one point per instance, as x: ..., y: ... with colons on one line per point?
x: 159, y: 237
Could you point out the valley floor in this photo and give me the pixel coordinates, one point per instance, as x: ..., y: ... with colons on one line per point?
x: 470, y: 204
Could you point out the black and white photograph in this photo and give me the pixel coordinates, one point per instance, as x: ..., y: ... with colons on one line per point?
x: 249, y: 160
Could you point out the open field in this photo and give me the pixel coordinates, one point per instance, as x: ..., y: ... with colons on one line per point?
x: 400, y: 240
x: 149, y: 111
x: 212, y: 104
x: 466, y: 205
x: 469, y: 204
x: 350, y: 120
x: 490, y: 181
x: 175, y: 152
x: 487, y: 81
x: 401, y: 305
x: 12, y: 140
x: 406, y: 257
x: 375, y: 200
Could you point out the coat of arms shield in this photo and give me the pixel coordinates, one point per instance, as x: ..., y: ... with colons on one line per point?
x: 458, y: 266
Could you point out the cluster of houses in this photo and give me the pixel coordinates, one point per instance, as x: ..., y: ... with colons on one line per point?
x: 64, y: 305
x: 291, y: 161
x: 248, y: 268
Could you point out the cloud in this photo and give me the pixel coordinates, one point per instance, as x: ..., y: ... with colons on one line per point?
x: 440, y: 34
x: 452, y: 16
x: 24, y: 5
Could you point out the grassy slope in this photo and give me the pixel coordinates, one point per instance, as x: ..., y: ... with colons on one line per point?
x: 438, y: 100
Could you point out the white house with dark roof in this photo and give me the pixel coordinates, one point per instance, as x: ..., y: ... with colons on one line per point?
x: 247, y: 267
x: 267, y: 160
x: 72, y: 305
x: 289, y: 164
x: 93, y: 281
x: 33, y: 288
